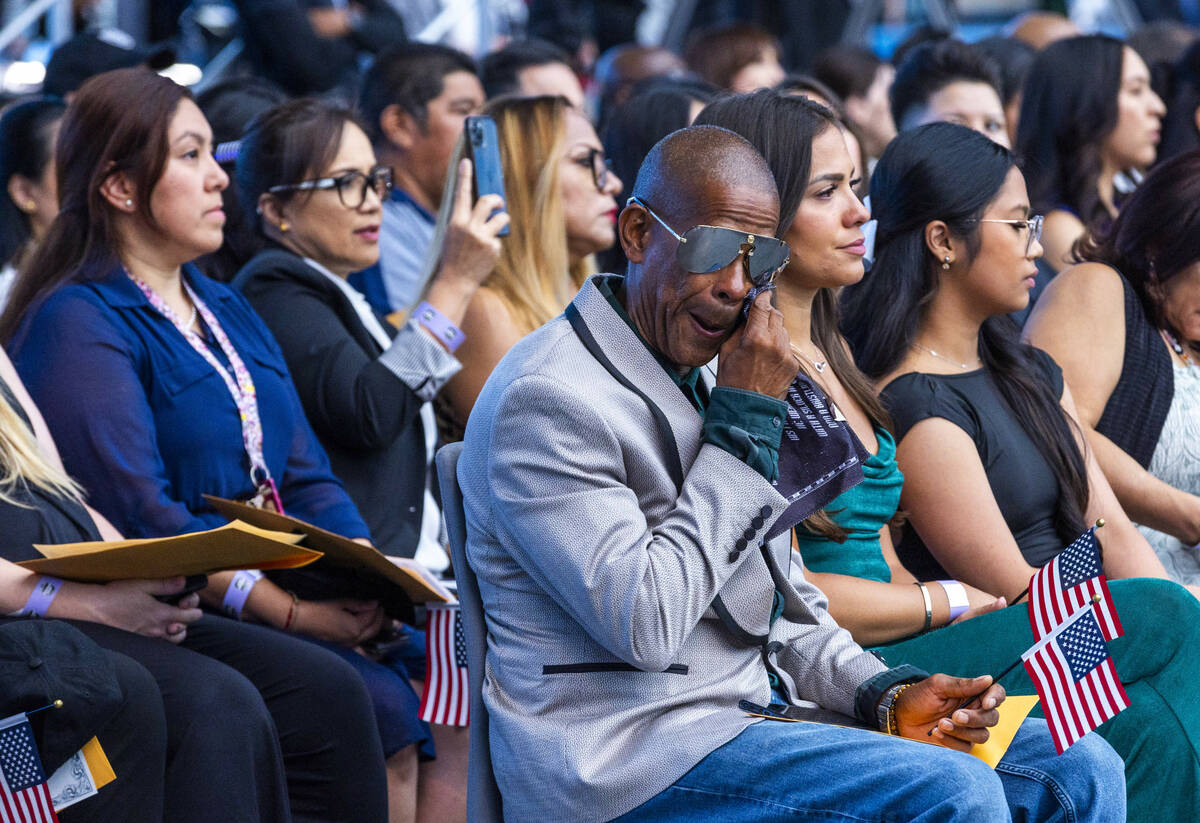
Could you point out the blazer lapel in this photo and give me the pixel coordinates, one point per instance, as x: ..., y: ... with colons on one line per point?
x: 634, y: 360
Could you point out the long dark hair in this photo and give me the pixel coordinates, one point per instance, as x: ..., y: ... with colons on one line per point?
x: 782, y: 127
x: 117, y: 122
x: 1157, y: 234
x: 950, y: 173
x: 1068, y: 108
x: 25, y: 149
x: 1183, y: 98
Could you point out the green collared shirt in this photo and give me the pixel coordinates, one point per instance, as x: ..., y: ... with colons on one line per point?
x: 746, y: 424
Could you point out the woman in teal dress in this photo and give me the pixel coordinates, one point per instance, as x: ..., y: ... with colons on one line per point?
x: 848, y: 549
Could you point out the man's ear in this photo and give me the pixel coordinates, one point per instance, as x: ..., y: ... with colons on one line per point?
x: 633, y: 230
x: 939, y: 241
x: 120, y: 192
x: 399, y: 127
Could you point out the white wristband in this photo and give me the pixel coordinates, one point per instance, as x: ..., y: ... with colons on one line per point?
x: 956, y: 594
x: 44, y: 591
x: 239, y: 590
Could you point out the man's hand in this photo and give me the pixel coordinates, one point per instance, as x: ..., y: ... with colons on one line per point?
x: 928, y: 705
x: 758, y: 356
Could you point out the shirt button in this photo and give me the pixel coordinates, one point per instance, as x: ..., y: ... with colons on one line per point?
x: 775, y: 422
x: 740, y: 545
x: 765, y: 511
x: 35, y: 662
x: 757, y: 523
x: 733, y: 556
x: 412, y: 509
x: 749, y: 534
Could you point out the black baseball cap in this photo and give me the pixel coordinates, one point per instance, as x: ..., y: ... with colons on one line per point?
x: 96, y: 51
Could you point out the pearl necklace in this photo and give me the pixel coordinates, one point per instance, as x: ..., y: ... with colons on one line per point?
x: 819, y: 365
x: 191, y: 321
x: 963, y: 366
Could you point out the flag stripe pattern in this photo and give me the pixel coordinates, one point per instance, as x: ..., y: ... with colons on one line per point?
x: 24, y: 796
x: 1075, y: 678
x: 447, y: 698
x: 1066, y: 583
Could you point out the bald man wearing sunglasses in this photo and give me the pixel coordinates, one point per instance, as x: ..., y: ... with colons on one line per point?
x: 618, y: 500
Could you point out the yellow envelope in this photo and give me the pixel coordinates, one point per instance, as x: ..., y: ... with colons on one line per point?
x: 98, y: 765
x: 417, y: 583
x: 235, y: 545
x: 1013, y: 711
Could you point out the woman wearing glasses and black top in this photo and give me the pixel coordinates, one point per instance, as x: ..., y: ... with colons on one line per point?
x: 308, y: 170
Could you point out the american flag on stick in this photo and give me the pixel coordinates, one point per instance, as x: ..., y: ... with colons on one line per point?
x: 1072, y: 579
x: 1075, y: 678
x: 24, y: 796
x: 447, y: 698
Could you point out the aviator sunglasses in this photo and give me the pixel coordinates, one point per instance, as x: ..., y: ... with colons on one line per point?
x: 705, y: 249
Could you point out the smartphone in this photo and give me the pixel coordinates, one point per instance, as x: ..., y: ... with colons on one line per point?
x: 485, y: 157
x: 193, y: 583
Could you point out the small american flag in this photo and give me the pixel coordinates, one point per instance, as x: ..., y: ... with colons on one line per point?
x: 24, y: 796
x: 447, y: 698
x: 1070, y: 580
x: 1075, y: 678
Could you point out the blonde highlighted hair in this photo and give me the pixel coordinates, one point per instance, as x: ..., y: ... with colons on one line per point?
x: 22, y: 463
x: 533, y: 277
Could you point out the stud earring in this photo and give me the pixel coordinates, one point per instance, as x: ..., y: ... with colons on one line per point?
x: 946, y: 263
x: 284, y: 225
x: 128, y: 204
x: 30, y: 206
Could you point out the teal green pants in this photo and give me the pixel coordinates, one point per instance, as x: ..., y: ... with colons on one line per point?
x: 1158, y: 660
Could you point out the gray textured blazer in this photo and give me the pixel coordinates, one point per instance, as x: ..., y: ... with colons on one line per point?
x: 627, y: 608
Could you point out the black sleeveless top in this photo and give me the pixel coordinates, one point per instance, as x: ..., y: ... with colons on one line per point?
x: 41, y: 517
x: 1021, y: 479
x: 1134, y: 415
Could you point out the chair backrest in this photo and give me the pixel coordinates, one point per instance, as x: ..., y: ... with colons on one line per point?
x: 483, y: 795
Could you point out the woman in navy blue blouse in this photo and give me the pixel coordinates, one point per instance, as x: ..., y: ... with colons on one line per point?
x: 160, y: 385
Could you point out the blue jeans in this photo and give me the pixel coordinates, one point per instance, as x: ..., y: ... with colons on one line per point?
x: 807, y: 771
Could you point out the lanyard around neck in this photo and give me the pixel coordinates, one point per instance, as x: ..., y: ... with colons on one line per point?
x: 240, y: 384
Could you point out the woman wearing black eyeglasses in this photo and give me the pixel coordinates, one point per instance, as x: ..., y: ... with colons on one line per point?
x: 308, y: 170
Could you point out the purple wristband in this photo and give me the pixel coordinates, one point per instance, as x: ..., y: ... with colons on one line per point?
x: 239, y: 591
x: 956, y: 595
x: 44, y: 591
x: 439, y: 326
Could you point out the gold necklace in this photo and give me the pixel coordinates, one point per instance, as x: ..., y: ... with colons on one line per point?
x: 819, y: 365
x: 963, y: 366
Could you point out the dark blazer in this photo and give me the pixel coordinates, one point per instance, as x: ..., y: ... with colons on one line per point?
x: 365, y: 416
x: 146, y: 424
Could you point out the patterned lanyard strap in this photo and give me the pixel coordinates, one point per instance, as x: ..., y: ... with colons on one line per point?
x: 240, y: 384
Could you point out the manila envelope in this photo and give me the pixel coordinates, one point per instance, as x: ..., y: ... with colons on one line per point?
x: 235, y: 545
